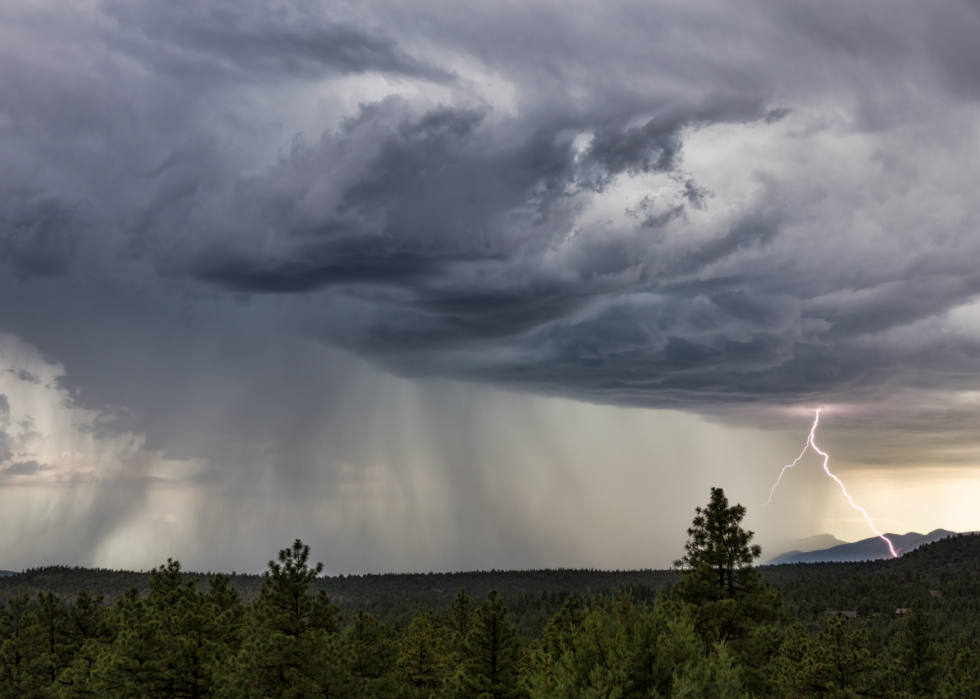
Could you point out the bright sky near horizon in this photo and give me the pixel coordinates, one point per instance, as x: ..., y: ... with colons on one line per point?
x: 437, y: 287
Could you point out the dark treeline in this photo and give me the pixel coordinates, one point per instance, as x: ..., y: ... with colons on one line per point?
x: 532, y: 596
x: 716, y: 627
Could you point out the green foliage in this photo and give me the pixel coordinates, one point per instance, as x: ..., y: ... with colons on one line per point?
x: 490, y: 655
x: 532, y: 596
x: 727, y: 593
x: 963, y: 678
x: 371, y: 652
x: 719, y: 634
x: 839, y: 663
x: 90, y: 631
x: 422, y: 657
x: 726, y: 596
x: 620, y: 649
x: 290, y: 647
x: 719, y: 546
x: 459, y: 619
x: 21, y: 671
x: 135, y: 664
x: 915, y: 663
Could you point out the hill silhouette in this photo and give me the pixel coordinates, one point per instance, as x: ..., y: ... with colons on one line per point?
x: 805, y: 545
x: 870, y: 549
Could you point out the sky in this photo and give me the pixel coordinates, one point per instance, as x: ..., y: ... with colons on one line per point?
x: 442, y: 286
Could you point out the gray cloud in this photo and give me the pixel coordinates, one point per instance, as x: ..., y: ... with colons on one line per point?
x: 695, y: 206
x: 451, y: 238
x: 451, y: 235
x: 22, y: 468
x: 6, y: 451
x: 256, y: 39
x: 38, y: 233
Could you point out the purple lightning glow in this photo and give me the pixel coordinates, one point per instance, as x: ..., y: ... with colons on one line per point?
x: 826, y: 458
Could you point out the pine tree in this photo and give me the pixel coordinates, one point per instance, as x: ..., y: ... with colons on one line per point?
x: 419, y: 659
x: 916, y: 664
x: 19, y: 652
x: 371, y: 655
x: 290, y: 649
x: 200, y: 630
x: 55, y: 649
x: 790, y: 669
x: 963, y: 679
x: 134, y: 666
x: 456, y: 621
x: 623, y: 649
x: 720, y: 582
x: 459, y: 620
x: 840, y: 663
x: 91, y: 634
x: 711, y: 676
x: 491, y: 655
x: 558, y: 665
x: 720, y: 547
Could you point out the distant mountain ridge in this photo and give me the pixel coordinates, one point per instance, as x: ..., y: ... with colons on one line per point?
x: 817, y: 542
x: 871, y: 549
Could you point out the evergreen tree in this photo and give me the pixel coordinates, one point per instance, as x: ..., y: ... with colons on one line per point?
x: 290, y: 649
x: 459, y: 619
x: 720, y: 548
x: 720, y: 580
x: 135, y: 665
x: 916, y: 665
x: 559, y: 662
x: 371, y: 655
x: 790, y: 669
x: 201, y: 630
x: 174, y: 643
x: 712, y: 676
x: 54, y: 646
x: 618, y: 649
x: 840, y: 663
x: 419, y: 659
x: 491, y: 655
x: 20, y: 654
x: 963, y: 679
x: 88, y: 619
x: 91, y: 634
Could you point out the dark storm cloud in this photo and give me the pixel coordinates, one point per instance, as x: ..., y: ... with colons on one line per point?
x: 37, y: 233
x: 697, y: 205
x: 512, y: 202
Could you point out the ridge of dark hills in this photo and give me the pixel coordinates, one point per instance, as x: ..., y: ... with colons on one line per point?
x: 872, y: 548
x: 944, y: 575
x: 959, y: 551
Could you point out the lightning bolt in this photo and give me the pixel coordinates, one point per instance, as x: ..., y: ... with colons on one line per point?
x: 826, y: 459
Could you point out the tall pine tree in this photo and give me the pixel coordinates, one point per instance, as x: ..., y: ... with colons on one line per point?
x: 290, y: 649
x: 916, y: 663
x: 491, y: 655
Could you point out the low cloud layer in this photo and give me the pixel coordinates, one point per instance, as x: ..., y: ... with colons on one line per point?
x: 721, y: 208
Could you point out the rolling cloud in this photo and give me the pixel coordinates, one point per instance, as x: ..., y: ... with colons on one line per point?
x: 661, y: 205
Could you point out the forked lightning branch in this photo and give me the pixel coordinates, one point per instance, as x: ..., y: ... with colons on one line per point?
x: 826, y: 458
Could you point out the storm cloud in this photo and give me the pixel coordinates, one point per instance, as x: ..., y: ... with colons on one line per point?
x: 697, y: 206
